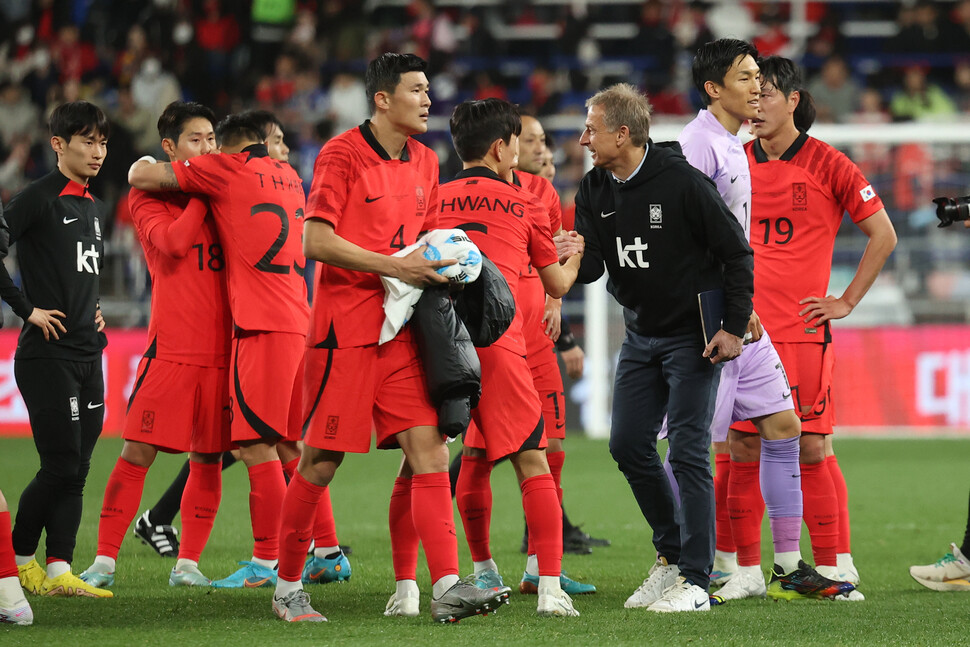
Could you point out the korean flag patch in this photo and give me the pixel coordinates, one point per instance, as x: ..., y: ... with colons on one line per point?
x: 867, y: 193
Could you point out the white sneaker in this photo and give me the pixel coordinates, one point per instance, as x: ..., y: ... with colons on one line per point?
x: 744, y: 584
x: 406, y: 605
x: 14, y: 608
x: 682, y: 596
x: 950, y: 573
x: 555, y: 602
x: 847, y: 570
x: 661, y: 577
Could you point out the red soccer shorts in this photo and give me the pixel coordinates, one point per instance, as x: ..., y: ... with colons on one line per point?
x: 179, y: 407
x: 349, y: 393
x: 509, y: 416
x: 548, y: 383
x: 809, y: 369
x: 266, y: 385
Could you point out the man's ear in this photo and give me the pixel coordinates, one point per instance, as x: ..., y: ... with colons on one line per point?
x: 58, y: 144
x: 622, y: 134
x: 381, y: 100
x: 169, y: 147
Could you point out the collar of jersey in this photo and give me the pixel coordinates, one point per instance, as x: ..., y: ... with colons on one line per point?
x: 255, y: 150
x: 760, y: 156
x: 368, y: 136
x: 73, y: 188
x: 479, y: 171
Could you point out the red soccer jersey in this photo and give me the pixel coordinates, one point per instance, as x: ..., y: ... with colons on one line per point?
x: 510, y: 227
x: 257, y: 203
x: 532, y: 296
x: 190, y: 321
x: 797, y: 204
x: 378, y: 203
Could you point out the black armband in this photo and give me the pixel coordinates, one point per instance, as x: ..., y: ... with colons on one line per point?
x: 567, y: 340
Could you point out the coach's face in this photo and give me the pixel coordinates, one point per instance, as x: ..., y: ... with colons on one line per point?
x: 408, y: 106
x: 604, y: 144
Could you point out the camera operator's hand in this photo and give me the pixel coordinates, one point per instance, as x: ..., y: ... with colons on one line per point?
x: 821, y: 309
x: 966, y: 224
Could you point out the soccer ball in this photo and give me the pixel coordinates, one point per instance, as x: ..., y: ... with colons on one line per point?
x: 454, y: 243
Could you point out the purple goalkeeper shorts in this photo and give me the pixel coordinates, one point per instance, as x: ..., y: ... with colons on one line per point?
x: 751, y: 386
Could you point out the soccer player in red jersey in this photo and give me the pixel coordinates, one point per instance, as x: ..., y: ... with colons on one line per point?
x: 800, y: 189
x: 511, y: 227
x: 180, y: 402
x: 374, y: 191
x: 257, y: 204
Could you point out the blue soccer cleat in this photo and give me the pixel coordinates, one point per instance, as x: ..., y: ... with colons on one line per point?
x: 250, y: 576
x: 530, y: 585
x: 321, y: 570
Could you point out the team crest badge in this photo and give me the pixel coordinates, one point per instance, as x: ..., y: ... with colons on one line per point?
x: 147, y: 422
x: 75, y: 409
x: 656, y: 216
x: 799, y: 196
x: 332, y: 423
x: 97, y: 228
x: 419, y: 198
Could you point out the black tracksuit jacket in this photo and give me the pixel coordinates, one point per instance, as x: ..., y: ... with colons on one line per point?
x: 664, y: 236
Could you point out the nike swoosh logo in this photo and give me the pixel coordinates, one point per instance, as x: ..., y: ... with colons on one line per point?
x: 369, y: 199
x: 68, y: 221
x: 698, y: 605
x: 256, y: 584
x: 785, y: 396
x: 558, y: 426
x: 826, y: 523
x: 735, y: 179
x: 91, y: 405
x: 606, y: 215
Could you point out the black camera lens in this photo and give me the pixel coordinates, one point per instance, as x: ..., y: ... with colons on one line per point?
x: 949, y: 210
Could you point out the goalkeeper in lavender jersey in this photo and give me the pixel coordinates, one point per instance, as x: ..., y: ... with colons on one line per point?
x: 754, y: 386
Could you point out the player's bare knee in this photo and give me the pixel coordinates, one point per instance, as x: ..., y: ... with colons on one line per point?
x: 529, y: 463
x: 257, y: 452
x: 140, y: 454
x: 319, y: 466
x: 474, y: 452
x: 555, y: 445
x: 744, y: 447
x: 811, y: 448
x: 781, y: 425
x: 205, y: 459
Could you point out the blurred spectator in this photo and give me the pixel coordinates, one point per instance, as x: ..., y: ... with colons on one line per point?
x: 13, y: 166
x: 924, y: 31
x: 73, y: 57
x: 874, y: 159
x: 961, y: 24
x: 486, y: 87
x: 274, y: 91
x: 153, y: 88
x: 141, y: 125
x: 129, y: 61
x: 544, y: 88
x: 348, y: 102
x: 731, y: 19
x: 655, y: 40
x: 828, y: 38
x: 772, y: 38
x: 478, y: 39
x: 961, y: 84
x: 836, y: 93
x: 433, y: 34
x: 217, y: 35
x: 919, y: 99
x: 690, y: 27
x: 20, y: 116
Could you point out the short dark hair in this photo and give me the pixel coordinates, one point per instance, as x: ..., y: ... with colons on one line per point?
x: 785, y: 75
x: 78, y: 118
x: 239, y: 127
x: 384, y: 73
x: 173, y: 118
x: 476, y: 124
x: 264, y: 118
x: 714, y: 59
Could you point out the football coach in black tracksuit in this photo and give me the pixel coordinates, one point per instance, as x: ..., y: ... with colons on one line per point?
x: 56, y: 224
x: 664, y: 235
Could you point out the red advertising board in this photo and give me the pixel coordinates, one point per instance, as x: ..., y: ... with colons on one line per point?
x: 914, y: 377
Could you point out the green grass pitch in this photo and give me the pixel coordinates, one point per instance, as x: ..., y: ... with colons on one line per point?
x: 908, y: 501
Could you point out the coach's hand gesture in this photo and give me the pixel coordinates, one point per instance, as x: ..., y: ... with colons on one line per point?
x: 45, y: 320
x: 723, y: 347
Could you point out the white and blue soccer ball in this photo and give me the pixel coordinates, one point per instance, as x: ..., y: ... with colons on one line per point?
x: 453, y: 243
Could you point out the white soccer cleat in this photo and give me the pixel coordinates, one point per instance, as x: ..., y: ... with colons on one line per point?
x: 661, y: 577
x: 744, y: 584
x: 950, y: 573
x: 14, y: 608
x: 555, y: 602
x: 407, y: 605
x: 847, y: 570
x: 682, y: 596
